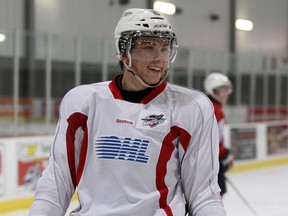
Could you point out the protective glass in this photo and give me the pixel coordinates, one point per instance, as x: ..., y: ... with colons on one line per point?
x: 150, y: 48
x: 146, y: 45
x: 223, y: 90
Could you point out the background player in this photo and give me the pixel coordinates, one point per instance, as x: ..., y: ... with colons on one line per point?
x: 218, y: 87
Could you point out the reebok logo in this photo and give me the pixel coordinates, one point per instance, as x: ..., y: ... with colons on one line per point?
x: 124, y: 121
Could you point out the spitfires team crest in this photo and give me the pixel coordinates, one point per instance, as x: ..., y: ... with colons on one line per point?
x: 153, y: 120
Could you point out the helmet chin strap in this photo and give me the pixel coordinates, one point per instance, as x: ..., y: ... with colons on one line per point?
x: 140, y: 80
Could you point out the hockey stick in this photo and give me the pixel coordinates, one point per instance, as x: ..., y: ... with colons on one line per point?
x: 241, y: 196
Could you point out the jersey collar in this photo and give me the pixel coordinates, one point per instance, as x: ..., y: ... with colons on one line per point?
x: 117, y: 95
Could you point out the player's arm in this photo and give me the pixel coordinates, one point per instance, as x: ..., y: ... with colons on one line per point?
x: 225, y: 155
x: 200, y: 165
x: 56, y: 186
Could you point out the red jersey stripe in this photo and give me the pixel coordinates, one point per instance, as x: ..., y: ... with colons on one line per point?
x: 75, y: 121
x: 161, y: 168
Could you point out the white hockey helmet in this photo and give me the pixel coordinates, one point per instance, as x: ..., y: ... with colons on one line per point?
x: 214, y: 81
x: 137, y: 22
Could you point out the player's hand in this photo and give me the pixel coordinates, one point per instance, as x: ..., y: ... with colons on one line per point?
x: 227, y: 161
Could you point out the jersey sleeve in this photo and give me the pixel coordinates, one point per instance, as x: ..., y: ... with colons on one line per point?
x: 200, y: 164
x: 57, y: 184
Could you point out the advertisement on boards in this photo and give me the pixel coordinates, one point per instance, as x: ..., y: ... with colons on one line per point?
x: 32, y: 160
x: 243, y: 143
x: 277, y: 139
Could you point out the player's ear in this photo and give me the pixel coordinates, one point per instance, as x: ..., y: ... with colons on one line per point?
x: 124, y: 58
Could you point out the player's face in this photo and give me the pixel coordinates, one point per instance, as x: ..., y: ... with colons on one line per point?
x: 150, y: 58
x: 223, y: 93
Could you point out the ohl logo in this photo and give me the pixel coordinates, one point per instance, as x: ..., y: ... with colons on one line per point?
x: 153, y: 120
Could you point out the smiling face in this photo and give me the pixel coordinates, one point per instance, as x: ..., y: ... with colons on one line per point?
x: 150, y: 61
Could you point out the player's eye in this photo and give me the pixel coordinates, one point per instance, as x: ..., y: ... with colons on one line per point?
x: 149, y: 47
x: 165, y: 49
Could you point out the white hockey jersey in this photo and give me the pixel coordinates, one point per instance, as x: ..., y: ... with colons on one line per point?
x: 138, y: 159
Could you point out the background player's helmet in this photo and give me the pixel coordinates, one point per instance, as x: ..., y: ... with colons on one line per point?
x: 214, y: 81
x: 137, y: 22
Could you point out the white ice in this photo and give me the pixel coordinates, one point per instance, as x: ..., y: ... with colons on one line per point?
x: 265, y: 191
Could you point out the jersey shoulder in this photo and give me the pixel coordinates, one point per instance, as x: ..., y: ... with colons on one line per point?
x: 76, y: 99
x: 184, y: 95
x: 87, y: 89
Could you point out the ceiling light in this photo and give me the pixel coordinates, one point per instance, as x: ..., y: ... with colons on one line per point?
x: 244, y: 25
x: 164, y: 7
x: 2, y: 37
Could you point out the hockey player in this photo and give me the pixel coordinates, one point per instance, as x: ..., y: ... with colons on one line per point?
x: 130, y: 146
x: 218, y: 87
